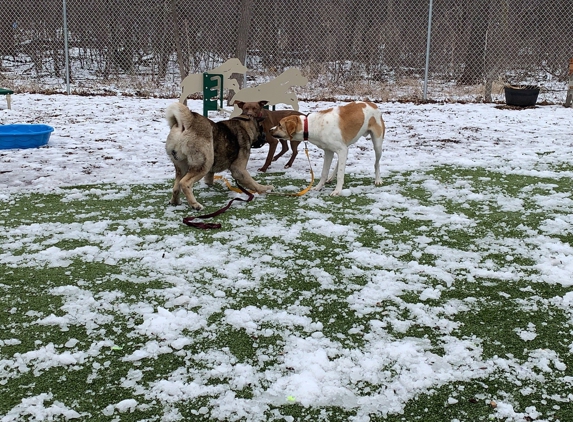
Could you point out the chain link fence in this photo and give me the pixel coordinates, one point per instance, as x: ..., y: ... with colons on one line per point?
x: 346, y: 48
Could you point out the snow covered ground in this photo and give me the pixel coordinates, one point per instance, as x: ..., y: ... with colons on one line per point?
x: 121, y: 139
x: 112, y: 139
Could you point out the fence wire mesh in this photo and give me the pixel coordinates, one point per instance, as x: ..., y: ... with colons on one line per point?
x: 346, y: 48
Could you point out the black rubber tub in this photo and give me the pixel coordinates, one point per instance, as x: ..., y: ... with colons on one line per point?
x: 521, y: 95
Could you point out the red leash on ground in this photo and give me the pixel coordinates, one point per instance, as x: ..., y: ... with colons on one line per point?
x: 189, y: 220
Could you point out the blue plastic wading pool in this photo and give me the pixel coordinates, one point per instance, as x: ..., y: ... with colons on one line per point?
x: 24, y: 135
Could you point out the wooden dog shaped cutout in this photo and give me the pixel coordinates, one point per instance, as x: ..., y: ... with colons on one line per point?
x: 194, y: 81
x: 274, y: 92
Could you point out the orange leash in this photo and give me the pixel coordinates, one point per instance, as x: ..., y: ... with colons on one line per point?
x: 305, y: 190
x: 231, y: 187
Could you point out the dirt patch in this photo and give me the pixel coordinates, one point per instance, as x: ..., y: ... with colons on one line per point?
x: 510, y: 107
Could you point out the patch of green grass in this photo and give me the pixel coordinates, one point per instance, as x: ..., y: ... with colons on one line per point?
x: 426, y: 259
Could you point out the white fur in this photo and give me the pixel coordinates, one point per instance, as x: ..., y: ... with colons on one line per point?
x: 324, y: 132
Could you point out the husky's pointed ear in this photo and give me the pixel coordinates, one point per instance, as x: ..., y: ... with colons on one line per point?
x: 263, y: 103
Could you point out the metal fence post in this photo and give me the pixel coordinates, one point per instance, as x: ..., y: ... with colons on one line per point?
x: 66, y: 52
x: 428, y: 49
x: 569, y: 97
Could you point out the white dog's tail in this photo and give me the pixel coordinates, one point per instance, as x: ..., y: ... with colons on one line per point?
x: 178, y: 115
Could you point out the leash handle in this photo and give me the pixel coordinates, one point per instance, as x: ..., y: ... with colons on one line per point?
x: 189, y: 220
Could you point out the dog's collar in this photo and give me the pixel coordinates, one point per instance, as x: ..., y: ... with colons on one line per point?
x: 305, y: 130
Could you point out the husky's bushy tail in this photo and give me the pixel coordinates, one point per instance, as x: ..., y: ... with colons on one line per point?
x: 179, y: 115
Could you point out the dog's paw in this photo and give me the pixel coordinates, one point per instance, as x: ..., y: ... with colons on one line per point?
x: 378, y: 182
x: 197, y: 206
x: 265, y: 189
x: 262, y: 169
x: 174, y: 203
x: 209, y: 179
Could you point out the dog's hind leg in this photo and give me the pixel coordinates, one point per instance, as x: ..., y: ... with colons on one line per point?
x: 244, y: 178
x: 377, y: 130
x: 273, y: 142
x: 186, y: 184
x: 340, y: 168
x: 377, y: 142
x: 284, y: 149
x: 333, y: 174
x: 294, y: 147
x: 328, y: 155
x: 248, y: 182
x: 209, y: 178
x: 176, y: 188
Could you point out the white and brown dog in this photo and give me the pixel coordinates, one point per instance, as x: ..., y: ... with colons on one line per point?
x: 334, y: 130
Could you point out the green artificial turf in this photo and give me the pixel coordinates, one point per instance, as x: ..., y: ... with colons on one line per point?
x: 410, y: 224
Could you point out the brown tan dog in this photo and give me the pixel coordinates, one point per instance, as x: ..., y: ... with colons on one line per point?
x: 199, y: 147
x: 272, y: 118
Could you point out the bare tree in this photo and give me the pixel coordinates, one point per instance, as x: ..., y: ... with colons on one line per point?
x: 183, y: 70
x: 477, y: 23
x: 243, y: 32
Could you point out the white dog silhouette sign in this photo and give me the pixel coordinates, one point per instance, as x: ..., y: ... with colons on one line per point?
x: 276, y: 91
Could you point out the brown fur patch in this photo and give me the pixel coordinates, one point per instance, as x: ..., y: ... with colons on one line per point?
x: 375, y: 128
x: 351, y: 120
x: 292, y: 125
